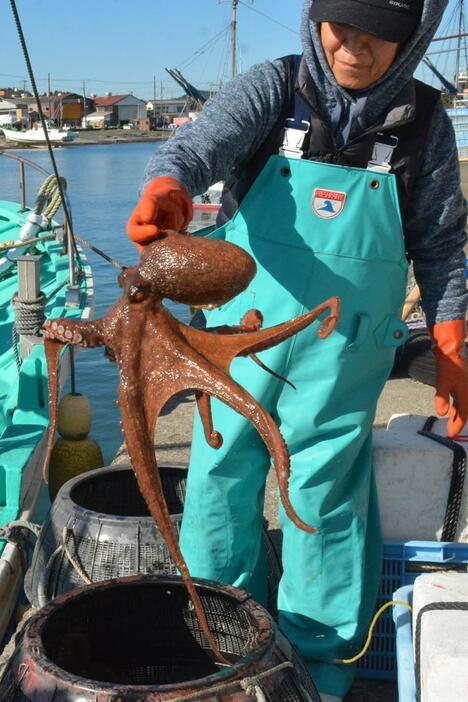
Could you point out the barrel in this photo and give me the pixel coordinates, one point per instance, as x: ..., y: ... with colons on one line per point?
x: 138, y: 639
x: 99, y: 528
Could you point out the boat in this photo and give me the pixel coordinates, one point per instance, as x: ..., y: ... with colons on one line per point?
x: 57, y: 135
x: 42, y: 265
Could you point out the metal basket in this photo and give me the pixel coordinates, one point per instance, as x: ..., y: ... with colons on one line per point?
x: 99, y: 528
x: 139, y: 639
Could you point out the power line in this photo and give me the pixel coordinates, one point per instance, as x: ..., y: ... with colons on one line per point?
x: 280, y: 24
x: 208, y: 45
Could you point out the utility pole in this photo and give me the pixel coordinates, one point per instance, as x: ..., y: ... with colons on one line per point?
x: 234, y: 38
x: 460, y: 28
x: 154, y: 102
x: 48, y: 93
x: 83, y: 121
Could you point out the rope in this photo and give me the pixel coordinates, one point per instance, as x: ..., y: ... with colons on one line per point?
x: 99, y: 252
x: 29, y: 314
x: 249, y: 685
x: 9, y: 649
x: 433, y: 606
x: 12, y: 244
x: 49, y: 194
x: 66, y: 209
x: 13, y: 533
x: 452, y: 511
x: 7, y: 532
x: 348, y: 661
x: 29, y: 318
x: 65, y: 534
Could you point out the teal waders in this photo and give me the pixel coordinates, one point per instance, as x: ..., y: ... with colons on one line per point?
x: 315, y: 230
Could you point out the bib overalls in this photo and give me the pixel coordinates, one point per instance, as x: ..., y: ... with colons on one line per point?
x: 315, y: 230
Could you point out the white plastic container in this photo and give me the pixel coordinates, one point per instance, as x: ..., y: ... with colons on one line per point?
x: 413, y: 476
x: 440, y: 636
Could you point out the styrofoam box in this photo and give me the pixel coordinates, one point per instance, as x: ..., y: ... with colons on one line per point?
x: 413, y: 476
x: 443, y: 654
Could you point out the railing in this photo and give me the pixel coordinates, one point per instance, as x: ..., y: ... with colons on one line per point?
x: 22, y: 162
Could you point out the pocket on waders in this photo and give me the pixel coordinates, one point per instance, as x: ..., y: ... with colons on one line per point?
x: 390, y: 333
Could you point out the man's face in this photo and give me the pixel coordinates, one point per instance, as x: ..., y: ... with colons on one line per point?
x: 357, y: 59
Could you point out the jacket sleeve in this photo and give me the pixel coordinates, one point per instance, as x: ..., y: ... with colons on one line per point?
x: 231, y: 126
x: 436, y: 226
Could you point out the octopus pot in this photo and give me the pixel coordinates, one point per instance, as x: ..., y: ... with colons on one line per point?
x: 137, y: 639
x: 99, y: 528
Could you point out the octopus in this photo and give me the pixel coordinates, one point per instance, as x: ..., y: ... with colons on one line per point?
x: 159, y: 356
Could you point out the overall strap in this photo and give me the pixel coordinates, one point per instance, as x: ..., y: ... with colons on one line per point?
x: 297, y: 123
x: 408, y: 156
x: 245, y: 175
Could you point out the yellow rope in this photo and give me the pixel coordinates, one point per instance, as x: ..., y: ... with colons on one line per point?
x: 347, y: 661
x: 48, y: 198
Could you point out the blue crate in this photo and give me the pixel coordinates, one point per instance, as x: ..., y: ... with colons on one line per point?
x: 404, y: 645
x: 403, y: 562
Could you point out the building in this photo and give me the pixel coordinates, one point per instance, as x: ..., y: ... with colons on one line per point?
x: 163, y: 112
x: 61, y: 108
x: 13, y: 111
x: 99, y: 120
x: 119, y: 109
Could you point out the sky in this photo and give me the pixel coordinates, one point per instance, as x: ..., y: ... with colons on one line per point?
x: 121, y: 46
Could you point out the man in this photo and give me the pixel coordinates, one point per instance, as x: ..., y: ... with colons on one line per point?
x: 339, y: 167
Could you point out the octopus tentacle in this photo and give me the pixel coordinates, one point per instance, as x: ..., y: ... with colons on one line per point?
x: 144, y: 464
x: 58, y: 334
x: 239, y: 399
x: 52, y: 350
x: 213, y: 437
x: 71, y: 331
x: 221, y: 351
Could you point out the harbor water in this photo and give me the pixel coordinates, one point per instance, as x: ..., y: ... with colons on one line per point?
x: 102, y: 183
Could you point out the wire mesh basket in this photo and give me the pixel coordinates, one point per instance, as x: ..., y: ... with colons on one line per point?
x: 99, y: 528
x: 139, y: 639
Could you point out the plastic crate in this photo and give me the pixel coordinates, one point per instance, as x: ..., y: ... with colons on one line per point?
x: 404, y: 645
x: 403, y: 562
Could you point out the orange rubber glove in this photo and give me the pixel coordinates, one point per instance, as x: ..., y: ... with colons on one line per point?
x: 165, y: 204
x: 451, y: 373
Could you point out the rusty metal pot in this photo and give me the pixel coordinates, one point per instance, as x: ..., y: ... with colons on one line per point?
x: 137, y: 639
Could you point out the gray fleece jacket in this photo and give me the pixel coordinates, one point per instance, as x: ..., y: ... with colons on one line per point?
x: 236, y: 121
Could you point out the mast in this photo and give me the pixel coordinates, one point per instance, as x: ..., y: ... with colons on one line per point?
x: 234, y: 38
x: 460, y: 29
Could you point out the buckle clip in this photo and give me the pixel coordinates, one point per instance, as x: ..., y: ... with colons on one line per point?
x: 294, y: 138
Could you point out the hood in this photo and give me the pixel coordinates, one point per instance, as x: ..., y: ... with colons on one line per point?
x: 333, y: 99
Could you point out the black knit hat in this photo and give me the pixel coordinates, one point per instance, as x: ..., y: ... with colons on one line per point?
x: 392, y: 20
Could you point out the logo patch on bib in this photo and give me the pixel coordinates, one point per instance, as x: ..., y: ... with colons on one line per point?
x: 328, y: 203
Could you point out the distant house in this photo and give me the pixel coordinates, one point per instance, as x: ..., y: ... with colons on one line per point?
x: 70, y: 108
x: 99, y: 120
x: 12, y: 111
x: 59, y: 107
x: 164, y: 111
x: 124, y: 109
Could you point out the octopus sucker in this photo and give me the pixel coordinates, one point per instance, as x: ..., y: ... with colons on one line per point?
x: 159, y: 356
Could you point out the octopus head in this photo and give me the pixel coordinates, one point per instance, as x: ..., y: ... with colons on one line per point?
x: 194, y: 270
